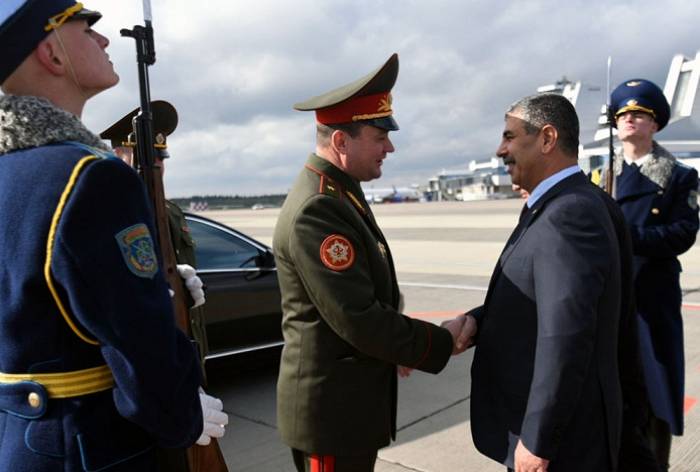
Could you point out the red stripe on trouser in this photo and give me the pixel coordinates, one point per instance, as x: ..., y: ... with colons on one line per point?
x: 321, y: 463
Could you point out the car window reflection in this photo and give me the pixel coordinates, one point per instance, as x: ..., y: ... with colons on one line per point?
x: 216, y: 249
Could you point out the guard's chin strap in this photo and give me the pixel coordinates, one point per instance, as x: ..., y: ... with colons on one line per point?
x: 70, y: 64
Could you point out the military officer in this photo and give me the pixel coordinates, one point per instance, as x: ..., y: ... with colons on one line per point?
x: 344, y: 334
x: 658, y: 196
x: 93, y: 372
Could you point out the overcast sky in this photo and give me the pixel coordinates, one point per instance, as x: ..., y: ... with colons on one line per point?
x: 233, y: 69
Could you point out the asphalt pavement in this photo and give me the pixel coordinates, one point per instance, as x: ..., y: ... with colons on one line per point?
x: 444, y: 254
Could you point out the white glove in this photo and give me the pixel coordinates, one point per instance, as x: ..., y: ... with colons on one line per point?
x: 192, y: 282
x: 214, y: 418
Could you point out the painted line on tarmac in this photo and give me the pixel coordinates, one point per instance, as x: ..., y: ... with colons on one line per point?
x: 688, y: 403
x: 451, y: 286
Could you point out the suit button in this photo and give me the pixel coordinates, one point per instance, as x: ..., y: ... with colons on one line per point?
x: 655, y: 211
x: 34, y: 400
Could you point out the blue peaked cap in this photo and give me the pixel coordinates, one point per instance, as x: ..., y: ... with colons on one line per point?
x: 25, y: 23
x: 641, y: 95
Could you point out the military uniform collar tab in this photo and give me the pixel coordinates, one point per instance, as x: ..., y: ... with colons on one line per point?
x: 327, y: 168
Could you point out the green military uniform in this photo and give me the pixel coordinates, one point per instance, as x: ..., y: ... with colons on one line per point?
x: 184, y: 245
x: 344, y: 336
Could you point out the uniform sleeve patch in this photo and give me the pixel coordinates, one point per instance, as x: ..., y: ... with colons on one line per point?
x: 137, y: 249
x: 337, y: 252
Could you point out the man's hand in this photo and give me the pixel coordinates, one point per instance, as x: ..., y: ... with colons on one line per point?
x: 463, y: 329
x: 403, y: 370
x: 215, y: 420
x: 525, y: 461
x: 193, y: 283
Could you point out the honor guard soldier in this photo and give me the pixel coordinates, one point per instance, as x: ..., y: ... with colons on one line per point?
x: 93, y: 372
x: 658, y: 196
x: 122, y: 140
x: 343, y: 328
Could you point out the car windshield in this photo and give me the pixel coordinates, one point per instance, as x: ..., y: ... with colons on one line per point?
x: 219, y: 249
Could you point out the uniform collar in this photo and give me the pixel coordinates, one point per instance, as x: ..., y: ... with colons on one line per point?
x: 334, y: 173
x: 639, y: 162
x: 657, y: 168
x: 27, y: 122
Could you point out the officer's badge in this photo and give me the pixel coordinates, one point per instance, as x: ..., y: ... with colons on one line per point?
x: 633, y: 83
x: 337, y: 252
x: 632, y: 102
x: 693, y: 199
x: 138, y: 251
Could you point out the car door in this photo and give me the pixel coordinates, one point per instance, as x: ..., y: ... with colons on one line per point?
x: 243, y: 310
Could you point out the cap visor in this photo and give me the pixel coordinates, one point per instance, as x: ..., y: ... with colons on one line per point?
x: 90, y: 16
x: 388, y: 123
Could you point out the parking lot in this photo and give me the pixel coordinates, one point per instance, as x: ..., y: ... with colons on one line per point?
x: 444, y: 254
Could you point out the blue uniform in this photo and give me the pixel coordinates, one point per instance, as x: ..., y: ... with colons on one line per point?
x: 82, y: 297
x: 659, y: 202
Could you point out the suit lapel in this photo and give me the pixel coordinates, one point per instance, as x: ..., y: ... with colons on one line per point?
x: 526, y: 221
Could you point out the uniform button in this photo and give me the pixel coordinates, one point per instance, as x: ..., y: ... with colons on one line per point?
x: 34, y: 400
x: 655, y: 211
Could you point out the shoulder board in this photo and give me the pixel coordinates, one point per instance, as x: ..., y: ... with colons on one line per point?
x: 330, y: 187
x: 327, y: 186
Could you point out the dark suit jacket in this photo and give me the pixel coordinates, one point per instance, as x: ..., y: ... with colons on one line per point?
x: 545, y: 368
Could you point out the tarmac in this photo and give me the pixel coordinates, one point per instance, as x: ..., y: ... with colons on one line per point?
x: 444, y: 254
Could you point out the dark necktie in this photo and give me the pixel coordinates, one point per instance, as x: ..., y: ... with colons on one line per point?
x: 523, y: 212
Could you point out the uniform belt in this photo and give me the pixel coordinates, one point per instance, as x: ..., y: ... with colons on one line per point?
x: 67, y: 384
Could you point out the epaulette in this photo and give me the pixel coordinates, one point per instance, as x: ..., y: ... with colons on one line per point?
x: 330, y: 187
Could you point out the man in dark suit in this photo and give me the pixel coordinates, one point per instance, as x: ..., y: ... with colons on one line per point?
x: 546, y: 392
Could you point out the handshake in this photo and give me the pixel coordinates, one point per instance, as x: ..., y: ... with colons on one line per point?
x: 463, y: 330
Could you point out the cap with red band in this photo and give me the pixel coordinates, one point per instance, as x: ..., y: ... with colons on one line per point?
x: 367, y: 100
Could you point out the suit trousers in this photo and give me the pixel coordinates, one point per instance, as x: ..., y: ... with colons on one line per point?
x: 659, y: 434
x: 306, y: 462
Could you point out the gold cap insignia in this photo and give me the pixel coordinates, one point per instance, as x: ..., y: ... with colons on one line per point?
x: 633, y: 83
x: 632, y: 102
x: 160, y: 138
x: 385, y: 103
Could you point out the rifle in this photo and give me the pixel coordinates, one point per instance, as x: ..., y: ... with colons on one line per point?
x: 609, y: 175
x: 199, y: 458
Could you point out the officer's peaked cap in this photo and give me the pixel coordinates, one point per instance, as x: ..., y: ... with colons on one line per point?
x: 366, y: 100
x: 164, y: 122
x: 641, y: 95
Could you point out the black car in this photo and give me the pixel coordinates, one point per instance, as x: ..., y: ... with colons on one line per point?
x: 242, y: 311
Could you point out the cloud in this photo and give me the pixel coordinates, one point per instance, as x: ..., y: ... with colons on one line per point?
x: 234, y: 69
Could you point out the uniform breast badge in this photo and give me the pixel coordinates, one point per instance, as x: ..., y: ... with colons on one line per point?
x: 137, y: 250
x: 337, y: 252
